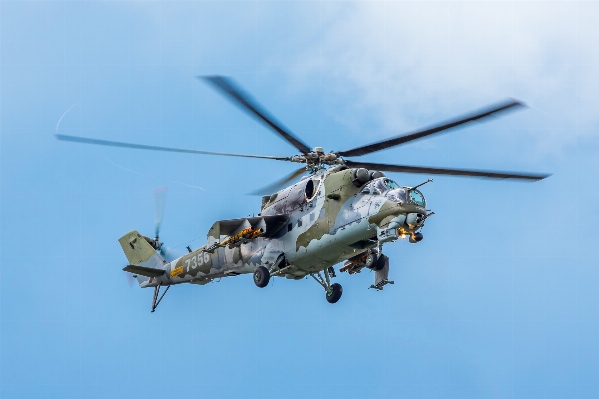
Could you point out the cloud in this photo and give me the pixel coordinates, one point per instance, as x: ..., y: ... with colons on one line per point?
x: 396, y: 66
x: 404, y: 63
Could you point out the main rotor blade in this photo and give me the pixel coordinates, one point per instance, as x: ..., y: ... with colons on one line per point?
x: 274, y: 187
x: 481, y: 114
x: 154, y: 148
x: 235, y: 93
x: 443, y: 171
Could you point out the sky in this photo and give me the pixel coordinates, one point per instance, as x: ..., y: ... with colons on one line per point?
x: 499, y: 300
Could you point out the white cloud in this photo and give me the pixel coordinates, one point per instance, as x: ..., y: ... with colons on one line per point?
x: 409, y: 62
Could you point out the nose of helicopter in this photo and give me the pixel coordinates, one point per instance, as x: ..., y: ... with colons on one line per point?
x: 410, y: 208
x: 414, y: 220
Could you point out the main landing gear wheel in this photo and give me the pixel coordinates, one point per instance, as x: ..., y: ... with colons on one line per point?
x: 261, y: 276
x: 335, y: 293
x: 371, y: 260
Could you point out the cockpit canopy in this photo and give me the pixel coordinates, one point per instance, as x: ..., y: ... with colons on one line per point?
x: 393, y: 191
x: 417, y: 198
x: 379, y: 186
x: 398, y: 195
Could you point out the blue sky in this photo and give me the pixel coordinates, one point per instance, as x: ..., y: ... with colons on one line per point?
x: 498, y: 301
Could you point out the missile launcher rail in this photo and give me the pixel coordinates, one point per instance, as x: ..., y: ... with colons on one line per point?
x: 236, y: 240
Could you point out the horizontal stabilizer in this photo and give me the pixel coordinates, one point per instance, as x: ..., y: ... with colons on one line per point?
x: 143, y: 271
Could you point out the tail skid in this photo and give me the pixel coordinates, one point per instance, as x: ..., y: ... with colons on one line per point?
x: 156, y: 300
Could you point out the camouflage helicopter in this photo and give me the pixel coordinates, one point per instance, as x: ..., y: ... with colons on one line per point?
x: 341, y: 211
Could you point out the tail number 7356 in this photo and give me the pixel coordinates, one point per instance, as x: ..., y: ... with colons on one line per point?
x: 197, y: 260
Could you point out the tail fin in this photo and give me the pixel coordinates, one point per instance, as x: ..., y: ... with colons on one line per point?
x: 139, y: 252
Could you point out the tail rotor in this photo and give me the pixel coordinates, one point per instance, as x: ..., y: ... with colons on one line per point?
x: 159, y: 204
x: 159, y: 201
x: 165, y: 252
x: 130, y: 279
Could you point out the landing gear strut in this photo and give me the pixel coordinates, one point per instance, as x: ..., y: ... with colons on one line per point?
x: 333, y: 291
x: 331, y: 271
x: 156, y: 300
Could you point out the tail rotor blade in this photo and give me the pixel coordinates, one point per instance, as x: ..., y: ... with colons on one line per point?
x: 169, y: 254
x: 159, y: 200
x: 130, y: 279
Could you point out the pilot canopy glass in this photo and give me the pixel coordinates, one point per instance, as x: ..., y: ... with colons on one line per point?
x: 380, y: 186
x: 417, y: 198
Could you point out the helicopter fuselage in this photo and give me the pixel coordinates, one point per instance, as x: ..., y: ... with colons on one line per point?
x: 323, y: 220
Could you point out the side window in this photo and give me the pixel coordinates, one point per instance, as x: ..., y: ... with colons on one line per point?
x: 289, y: 226
x: 391, y: 184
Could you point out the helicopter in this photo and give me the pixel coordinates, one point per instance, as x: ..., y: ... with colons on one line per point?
x: 341, y: 211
